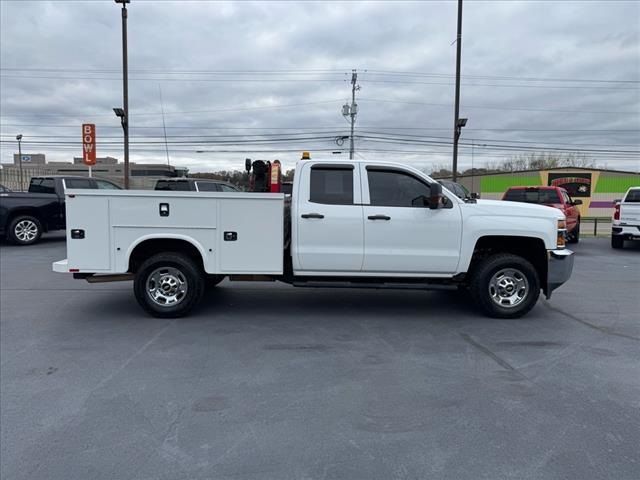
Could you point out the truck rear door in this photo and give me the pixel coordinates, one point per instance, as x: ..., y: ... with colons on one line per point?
x: 327, y: 219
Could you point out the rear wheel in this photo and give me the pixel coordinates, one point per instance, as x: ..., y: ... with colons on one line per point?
x: 505, y: 286
x: 24, y: 230
x: 617, y: 241
x: 169, y: 285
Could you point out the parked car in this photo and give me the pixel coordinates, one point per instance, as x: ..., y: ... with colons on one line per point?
x: 24, y: 216
x: 348, y: 224
x: 626, y: 218
x: 194, y: 185
x: 4, y: 189
x: 553, y: 197
x: 459, y: 190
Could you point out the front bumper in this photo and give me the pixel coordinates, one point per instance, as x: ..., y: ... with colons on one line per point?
x: 560, y: 266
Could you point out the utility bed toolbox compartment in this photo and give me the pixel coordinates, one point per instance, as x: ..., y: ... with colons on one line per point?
x: 234, y: 232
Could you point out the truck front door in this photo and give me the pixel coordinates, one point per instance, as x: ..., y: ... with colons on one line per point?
x: 327, y: 219
x: 401, y: 235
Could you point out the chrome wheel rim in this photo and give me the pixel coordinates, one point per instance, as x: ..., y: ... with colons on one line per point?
x: 26, y: 230
x: 508, y: 287
x: 167, y: 286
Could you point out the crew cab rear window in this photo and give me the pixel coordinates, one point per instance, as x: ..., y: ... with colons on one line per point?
x: 42, y: 185
x: 633, y: 196
x: 173, y: 185
x: 332, y: 185
x: 533, y: 195
x: 391, y: 188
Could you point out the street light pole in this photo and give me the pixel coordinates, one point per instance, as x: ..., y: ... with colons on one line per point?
x: 456, y: 130
x: 19, y: 139
x: 125, y: 92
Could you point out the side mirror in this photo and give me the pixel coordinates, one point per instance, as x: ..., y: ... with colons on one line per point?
x: 475, y: 195
x: 577, y: 202
x: 435, y: 201
x: 247, y: 164
x: 617, y: 200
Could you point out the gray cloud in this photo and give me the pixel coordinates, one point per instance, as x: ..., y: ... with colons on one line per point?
x: 261, y: 67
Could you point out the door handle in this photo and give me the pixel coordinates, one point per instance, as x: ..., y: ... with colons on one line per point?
x: 312, y: 215
x: 379, y: 217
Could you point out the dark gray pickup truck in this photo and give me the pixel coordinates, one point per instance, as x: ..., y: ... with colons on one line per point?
x: 24, y: 216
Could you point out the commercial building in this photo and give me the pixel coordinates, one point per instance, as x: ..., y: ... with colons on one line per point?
x: 142, y: 175
x: 597, y: 188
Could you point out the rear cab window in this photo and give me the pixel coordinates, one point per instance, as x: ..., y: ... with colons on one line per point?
x: 633, y: 196
x: 332, y: 185
x: 77, y: 183
x: 532, y: 195
x: 42, y: 185
x: 173, y: 185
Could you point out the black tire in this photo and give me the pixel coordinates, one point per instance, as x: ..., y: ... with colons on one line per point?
x: 617, y: 242
x: 575, y: 235
x: 521, y: 276
x: 24, y: 230
x: 214, y: 280
x: 172, y: 271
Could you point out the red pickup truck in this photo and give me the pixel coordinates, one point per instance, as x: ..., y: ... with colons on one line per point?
x: 553, y: 197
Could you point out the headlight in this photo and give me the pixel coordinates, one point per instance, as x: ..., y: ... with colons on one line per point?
x: 562, y: 233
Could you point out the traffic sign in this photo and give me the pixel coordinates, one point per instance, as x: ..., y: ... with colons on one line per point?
x: 89, y: 143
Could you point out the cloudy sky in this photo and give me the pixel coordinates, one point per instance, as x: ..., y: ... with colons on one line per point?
x: 268, y: 79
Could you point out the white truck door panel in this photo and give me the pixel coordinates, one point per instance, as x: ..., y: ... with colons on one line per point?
x: 399, y: 237
x: 91, y: 215
x: 327, y: 219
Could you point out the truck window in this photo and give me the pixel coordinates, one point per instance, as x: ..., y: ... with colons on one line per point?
x: 391, y: 188
x: 633, y: 196
x: 77, y: 183
x: 208, y: 187
x: 173, y: 185
x: 42, y: 185
x: 532, y: 195
x: 330, y: 185
x: 228, y: 188
x: 102, y: 185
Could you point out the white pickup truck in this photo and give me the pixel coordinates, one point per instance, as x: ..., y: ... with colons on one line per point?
x: 346, y: 224
x: 626, y: 218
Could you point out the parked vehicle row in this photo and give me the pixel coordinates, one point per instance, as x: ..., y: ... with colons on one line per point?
x: 24, y: 216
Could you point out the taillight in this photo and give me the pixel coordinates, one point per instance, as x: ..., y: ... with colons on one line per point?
x: 616, y: 212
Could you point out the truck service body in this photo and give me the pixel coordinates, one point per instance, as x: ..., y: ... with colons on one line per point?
x: 347, y: 223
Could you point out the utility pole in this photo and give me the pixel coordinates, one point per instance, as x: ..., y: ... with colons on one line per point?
x: 125, y: 92
x: 19, y: 139
x: 456, y: 126
x: 352, y: 110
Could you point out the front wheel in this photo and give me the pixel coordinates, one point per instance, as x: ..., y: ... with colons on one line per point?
x: 24, y: 230
x: 505, y: 286
x: 169, y: 285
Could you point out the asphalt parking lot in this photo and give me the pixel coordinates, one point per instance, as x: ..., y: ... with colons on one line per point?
x: 266, y: 381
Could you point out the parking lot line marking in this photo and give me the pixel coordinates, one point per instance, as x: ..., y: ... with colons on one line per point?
x: 605, y: 330
x: 500, y: 361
